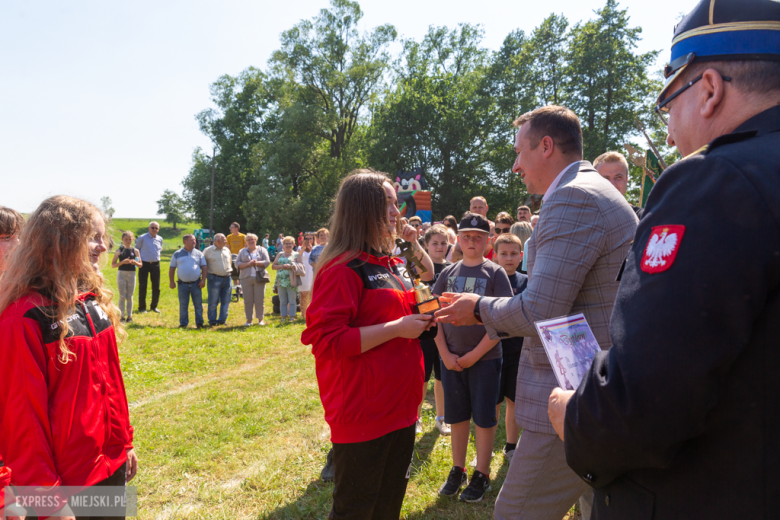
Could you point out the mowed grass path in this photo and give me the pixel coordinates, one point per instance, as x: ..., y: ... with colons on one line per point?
x: 228, y: 422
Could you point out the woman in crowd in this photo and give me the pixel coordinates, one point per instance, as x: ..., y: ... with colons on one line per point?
x: 11, y: 222
x: 58, y: 329
x: 369, y: 364
x: 287, y: 280
x: 252, y: 262
x: 305, y: 289
x: 523, y: 231
x: 126, y: 259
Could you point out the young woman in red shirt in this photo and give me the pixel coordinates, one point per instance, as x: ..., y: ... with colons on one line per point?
x: 64, y: 417
x: 363, y: 332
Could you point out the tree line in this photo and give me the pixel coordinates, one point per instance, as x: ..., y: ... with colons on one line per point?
x: 331, y: 100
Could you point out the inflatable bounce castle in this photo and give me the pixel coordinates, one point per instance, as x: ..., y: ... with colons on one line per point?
x: 413, y: 197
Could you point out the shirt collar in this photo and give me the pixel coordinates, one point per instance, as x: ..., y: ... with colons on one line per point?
x: 557, y: 180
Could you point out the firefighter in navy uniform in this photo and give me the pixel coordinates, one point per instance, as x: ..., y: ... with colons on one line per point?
x: 681, y: 417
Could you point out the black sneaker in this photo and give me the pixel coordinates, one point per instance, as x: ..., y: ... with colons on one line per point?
x: 455, y: 480
x: 129, y: 320
x: 479, y: 485
x: 328, y: 472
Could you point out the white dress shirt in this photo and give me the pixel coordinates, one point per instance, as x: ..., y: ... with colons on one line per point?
x: 556, y: 181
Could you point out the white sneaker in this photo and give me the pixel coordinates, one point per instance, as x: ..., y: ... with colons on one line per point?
x: 248, y: 324
x: 508, y: 456
x: 418, y: 427
x: 442, y: 426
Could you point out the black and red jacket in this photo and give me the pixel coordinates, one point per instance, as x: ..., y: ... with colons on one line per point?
x: 61, y: 423
x: 365, y: 395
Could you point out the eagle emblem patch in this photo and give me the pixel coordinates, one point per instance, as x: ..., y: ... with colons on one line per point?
x: 662, y: 248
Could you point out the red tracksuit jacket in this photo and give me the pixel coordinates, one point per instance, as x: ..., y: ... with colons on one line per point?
x: 61, y: 424
x: 366, y: 395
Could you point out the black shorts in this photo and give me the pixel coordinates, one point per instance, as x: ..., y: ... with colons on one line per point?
x: 508, y: 385
x: 472, y: 393
x: 431, y: 359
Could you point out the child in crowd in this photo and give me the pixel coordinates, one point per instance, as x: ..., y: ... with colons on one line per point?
x: 125, y: 260
x: 472, y: 361
x: 306, y: 283
x: 509, y: 253
x: 436, y: 244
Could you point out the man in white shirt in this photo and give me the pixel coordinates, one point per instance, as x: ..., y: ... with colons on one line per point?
x: 219, y: 262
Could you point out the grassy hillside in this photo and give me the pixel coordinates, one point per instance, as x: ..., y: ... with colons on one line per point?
x: 139, y: 226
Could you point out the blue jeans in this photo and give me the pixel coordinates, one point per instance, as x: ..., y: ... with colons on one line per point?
x: 219, y: 293
x: 288, y: 303
x: 187, y: 290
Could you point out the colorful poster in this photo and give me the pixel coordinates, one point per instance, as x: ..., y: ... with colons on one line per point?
x: 570, y: 347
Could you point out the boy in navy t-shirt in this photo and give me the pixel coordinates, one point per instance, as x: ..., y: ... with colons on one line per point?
x: 471, y: 361
x: 508, y: 250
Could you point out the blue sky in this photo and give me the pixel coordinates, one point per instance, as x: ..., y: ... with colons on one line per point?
x: 99, y: 98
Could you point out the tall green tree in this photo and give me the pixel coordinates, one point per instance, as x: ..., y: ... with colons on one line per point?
x: 608, y: 83
x: 173, y: 207
x: 237, y: 127
x: 324, y: 77
x: 441, y: 116
x: 335, y: 67
x: 546, y: 53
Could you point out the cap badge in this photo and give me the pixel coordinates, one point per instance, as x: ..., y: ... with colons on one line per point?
x: 662, y: 248
x: 474, y: 222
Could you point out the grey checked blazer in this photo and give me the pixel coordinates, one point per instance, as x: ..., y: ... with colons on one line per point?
x: 584, y: 233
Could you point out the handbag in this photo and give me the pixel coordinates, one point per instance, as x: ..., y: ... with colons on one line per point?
x: 261, y: 276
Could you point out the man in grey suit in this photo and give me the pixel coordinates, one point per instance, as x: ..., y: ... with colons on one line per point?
x: 584, y: 233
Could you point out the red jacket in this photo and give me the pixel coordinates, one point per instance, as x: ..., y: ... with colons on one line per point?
x: 61, y: 424
x: 366, y: 395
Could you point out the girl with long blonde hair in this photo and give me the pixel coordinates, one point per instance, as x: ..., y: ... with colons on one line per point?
x: 364, y: 330
x: 58, y: 329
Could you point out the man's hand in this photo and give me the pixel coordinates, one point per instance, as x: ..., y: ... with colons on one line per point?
x: 556, y: 408
x: 132, y: 465
x: 202, y: 283
x: 173, y: 285
x: 458, y: 309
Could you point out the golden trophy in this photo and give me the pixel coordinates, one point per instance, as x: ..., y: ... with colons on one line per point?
x: 427, y: 303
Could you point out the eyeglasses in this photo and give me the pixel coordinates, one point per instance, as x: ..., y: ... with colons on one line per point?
x: 499, y: 230
x: 153, y: 227
x: 662, y: 109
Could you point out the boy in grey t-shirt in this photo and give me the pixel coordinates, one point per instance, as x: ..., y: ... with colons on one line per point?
x: 472, y: 361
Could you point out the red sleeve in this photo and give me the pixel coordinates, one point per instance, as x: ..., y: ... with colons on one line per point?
x: 333, y: 308
x: 25, y: 431
x: 129, y: 443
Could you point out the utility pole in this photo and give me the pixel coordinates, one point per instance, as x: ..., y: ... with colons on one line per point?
x: 211, y: 211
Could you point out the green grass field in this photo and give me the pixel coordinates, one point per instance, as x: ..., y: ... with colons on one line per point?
x: 228, y: 422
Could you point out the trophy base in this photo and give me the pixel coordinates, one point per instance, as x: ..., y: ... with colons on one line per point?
x: 428, y: 307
